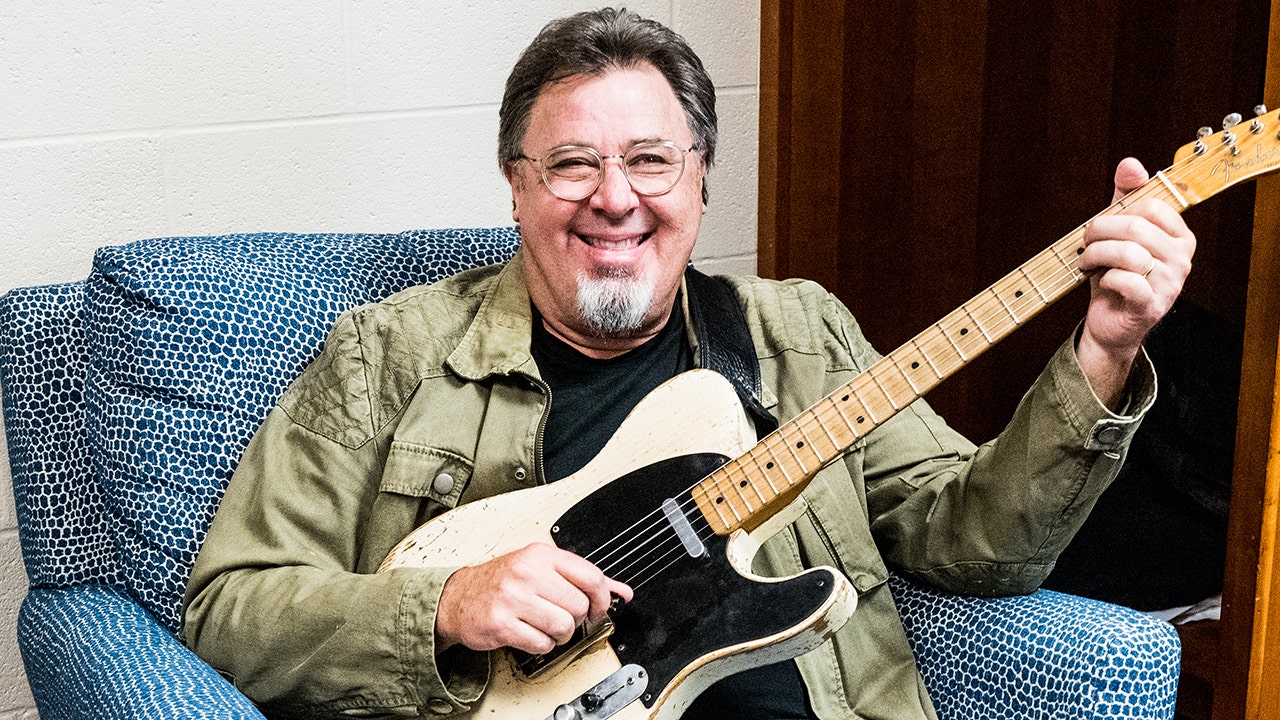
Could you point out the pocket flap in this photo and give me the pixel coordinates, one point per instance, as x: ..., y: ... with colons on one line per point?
x: 423, y: 471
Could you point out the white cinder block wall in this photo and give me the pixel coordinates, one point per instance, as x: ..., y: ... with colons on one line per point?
x: 120, y: 121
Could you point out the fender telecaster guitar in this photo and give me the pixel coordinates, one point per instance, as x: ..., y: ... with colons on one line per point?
x: 678, y: 501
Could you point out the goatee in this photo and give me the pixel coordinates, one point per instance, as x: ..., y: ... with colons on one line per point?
x: 613, y: 301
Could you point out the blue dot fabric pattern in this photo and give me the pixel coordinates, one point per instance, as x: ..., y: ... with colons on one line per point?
x: 1045, y: 655
x: 92, y: 652
x: 129, y: 397
x: 193, y: 339
x: 64, y: 532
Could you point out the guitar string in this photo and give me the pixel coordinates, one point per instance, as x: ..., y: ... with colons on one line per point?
x: 985, y: 306
x: 990, y: 307
x: 667, y: 549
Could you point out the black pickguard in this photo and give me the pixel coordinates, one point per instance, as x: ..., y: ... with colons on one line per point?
x: 696, y: 605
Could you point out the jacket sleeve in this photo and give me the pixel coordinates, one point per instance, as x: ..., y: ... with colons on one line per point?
x: 991, y: 520
x: 280, y: 600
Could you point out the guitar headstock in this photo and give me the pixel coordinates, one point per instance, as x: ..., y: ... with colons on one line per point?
x: 1240, y: 151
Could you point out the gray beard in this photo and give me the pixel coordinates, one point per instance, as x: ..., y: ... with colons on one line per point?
x: 614, y: 303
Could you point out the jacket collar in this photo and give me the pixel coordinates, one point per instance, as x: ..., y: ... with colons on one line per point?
x: 497, y: 341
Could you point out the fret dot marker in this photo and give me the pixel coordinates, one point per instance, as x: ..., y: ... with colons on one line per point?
x: 1018, y: 294
x: 1080, y: 251
x: 719, y: 500
x: 859, y: 418
x: 964, y: 331
x: 800, y: 444
x: 915, y: 366
x: 769, y: 466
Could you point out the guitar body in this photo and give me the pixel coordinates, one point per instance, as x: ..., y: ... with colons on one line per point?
x: 664, y: 508
x: 698, y: 613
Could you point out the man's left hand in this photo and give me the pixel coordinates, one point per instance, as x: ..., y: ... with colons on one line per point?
x: 1137, y: 261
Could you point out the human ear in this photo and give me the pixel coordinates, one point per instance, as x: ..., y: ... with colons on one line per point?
x: 516, y: 182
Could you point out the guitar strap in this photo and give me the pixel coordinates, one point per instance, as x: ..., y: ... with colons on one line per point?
x: 724, y: 342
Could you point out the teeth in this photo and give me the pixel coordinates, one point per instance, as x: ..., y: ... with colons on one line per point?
x: 615, y: 243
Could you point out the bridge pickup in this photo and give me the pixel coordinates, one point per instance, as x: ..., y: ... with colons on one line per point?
x: 617, y: 691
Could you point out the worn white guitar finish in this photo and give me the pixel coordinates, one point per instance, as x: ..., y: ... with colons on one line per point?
x: 685, y: 470
x: 696, y: 412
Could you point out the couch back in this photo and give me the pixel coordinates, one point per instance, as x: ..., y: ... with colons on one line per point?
x: 129, y: 397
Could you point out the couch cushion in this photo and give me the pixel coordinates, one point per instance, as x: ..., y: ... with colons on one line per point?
x: 192, y: 340
x: 61, y: 525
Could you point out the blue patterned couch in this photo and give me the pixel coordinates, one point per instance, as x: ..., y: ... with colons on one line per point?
x: 129, y: 396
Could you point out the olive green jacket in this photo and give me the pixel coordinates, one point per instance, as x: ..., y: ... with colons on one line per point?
x: 430, y: 399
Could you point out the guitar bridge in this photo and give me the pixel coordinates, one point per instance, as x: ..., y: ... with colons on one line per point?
x: 616, y: 692
x: 585, y: 636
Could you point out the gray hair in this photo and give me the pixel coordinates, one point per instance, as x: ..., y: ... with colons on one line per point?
x: 592, y: 43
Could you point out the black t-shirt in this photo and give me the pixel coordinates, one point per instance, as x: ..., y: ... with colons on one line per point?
x: 589, y: 400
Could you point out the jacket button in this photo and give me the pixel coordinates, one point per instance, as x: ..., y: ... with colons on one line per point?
x: 521, y: 473
x: 1109, y: 435
x: 440, y: 706
x: 442, y: 484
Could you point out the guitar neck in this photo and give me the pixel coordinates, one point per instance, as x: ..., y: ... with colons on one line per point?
x: 748, y: 490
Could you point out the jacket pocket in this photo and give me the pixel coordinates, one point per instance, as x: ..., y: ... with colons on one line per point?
x: 426, y: 472
x: 835, y: 529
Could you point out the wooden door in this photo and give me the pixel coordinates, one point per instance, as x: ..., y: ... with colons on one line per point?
x: 912, y: 152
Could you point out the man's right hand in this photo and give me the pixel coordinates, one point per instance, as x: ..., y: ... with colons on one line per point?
x: 531, y: 599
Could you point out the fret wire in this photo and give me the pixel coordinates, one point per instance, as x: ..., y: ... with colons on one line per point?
x: 1031, y: 280
x: 764, y: 472
x: 976, y: 324
x: 786, y: 475
x: 866, y: 407
x: 1053, y: 271
x: 836, y: 404
x: 926, y: 357
x: 1068, y: 264
x: 835, y: 443
x: 1012, y: 314
x: 893, y: 404
x: 737, y: 519
x: 808, y: 442
x: 714, y: 505
x: 754, y: 486
x: 905, y: 376
x: 963, y: 357
x: 728, y: 487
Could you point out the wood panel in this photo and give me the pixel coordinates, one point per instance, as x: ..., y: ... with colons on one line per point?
x: 914, y: 151
x: 1248, y: 684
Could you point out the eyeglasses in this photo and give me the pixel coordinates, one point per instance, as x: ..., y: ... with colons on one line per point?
x: 573, y: 172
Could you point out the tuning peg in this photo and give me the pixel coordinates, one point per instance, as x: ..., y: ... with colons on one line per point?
x: 1255, y: 125
x: 1228, y: 137
x: 1204, y: 132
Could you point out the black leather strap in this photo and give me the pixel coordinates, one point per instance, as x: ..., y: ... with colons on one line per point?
x: 724, y: 342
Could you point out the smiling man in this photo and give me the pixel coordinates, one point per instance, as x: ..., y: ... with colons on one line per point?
x: 506, y: 378
x: 609, y: 208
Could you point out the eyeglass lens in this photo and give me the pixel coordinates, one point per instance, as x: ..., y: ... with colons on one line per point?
x: 573, y: 173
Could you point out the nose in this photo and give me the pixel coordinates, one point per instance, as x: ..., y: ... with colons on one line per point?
x: 614, y: 196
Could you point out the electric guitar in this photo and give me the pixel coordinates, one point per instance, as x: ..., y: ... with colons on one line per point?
x: 680, y: 499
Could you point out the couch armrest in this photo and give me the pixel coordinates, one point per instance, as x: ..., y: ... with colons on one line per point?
x: 92, y: 652
x: 1047, y: 654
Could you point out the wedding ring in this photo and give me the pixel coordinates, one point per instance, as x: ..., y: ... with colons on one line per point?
x: 1150, y: 268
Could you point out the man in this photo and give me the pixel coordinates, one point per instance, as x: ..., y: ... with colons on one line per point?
x: 444, y: 395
